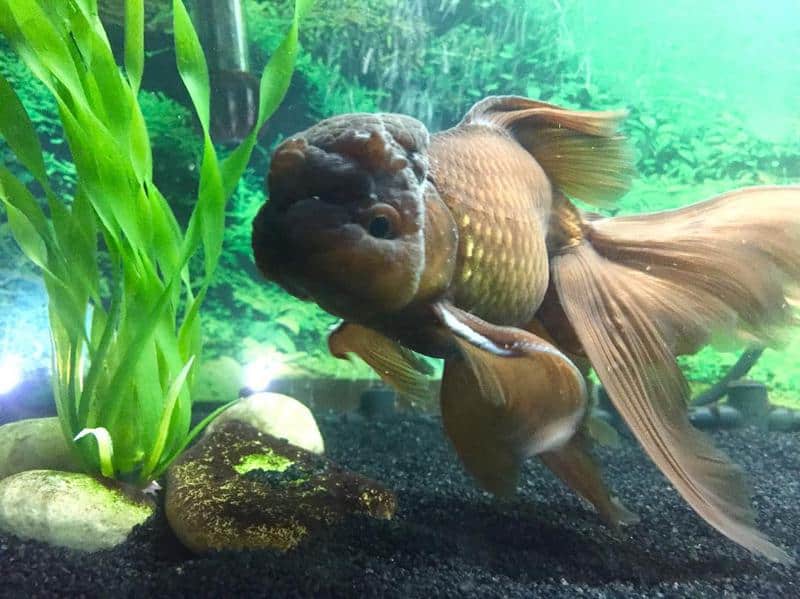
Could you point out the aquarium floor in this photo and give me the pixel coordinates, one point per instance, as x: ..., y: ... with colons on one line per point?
x: 450, y: 540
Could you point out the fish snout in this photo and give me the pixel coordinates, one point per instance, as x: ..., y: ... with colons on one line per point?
x: 344, y: 220
x: 267, y: 240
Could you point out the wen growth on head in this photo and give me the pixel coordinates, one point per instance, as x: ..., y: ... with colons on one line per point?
x: 464, y: 245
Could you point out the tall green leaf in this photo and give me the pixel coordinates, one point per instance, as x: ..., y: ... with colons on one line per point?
x: 175, y: 389
x: 273, y: 86
x: 105, y: 448
x: 134, y: 48
x: 192, y: 63
x: 17, y: 130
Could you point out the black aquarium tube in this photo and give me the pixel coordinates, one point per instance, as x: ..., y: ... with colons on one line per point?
x: 222, y: 30
x: 742, y: 366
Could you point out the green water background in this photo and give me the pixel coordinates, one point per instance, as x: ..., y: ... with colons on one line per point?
x: 695, y: 58
x: 711, y: 85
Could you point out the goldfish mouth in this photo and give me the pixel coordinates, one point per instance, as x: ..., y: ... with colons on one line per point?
x: 287, y: 239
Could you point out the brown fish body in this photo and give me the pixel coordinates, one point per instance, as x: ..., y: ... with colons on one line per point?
x: 500, y: 200
x: 463, y: 245
x: 497, y: 200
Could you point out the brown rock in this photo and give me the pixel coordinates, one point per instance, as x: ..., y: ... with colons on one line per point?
x: 242, y: 489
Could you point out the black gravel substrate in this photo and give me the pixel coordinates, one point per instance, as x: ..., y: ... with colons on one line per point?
x: 450, y: 540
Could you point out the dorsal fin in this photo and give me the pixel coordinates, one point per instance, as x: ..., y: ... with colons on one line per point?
x: 580, y: 150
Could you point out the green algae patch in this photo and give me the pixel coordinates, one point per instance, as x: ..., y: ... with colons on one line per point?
x: 115, y: 500
x: 268, y: 460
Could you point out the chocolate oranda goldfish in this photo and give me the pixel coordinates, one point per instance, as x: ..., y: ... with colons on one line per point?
x: 465, y: 245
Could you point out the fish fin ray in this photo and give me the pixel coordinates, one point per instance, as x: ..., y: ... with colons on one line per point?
x: 725, y: 267
x: 506, y: 395
x: 578, y: 469
x: 394, y: 364
x: 581, y: 151
x: 648, y: 389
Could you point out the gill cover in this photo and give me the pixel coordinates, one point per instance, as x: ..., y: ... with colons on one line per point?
x: 345, y: 218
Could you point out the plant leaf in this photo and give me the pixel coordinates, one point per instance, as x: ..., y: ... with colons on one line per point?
x: 191, y: 62
x: 134, y: 42
x: 46, y: 43
x: 18, y: 131
x: 26, y: 219
x: 273, y: 86
x: 25, y: 235
x: 166, y: 419
x: 105, y: 448
x: 190, y: 437
x: 99, y: 364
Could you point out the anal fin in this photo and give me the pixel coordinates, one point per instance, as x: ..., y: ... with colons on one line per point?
x: 578, y: 469
x: 475, y: 427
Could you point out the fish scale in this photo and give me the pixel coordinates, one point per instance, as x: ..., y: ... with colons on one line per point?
x: 500, y: 206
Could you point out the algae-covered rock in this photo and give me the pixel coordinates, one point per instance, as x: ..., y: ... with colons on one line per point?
x: 69, y: 509
x: 34, y: 444
x: 239, y: 488
x: 278, y: 415
x: 218, y: 381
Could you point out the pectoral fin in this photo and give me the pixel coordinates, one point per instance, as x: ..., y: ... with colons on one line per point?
x: 507, y: 395
x: 396, y: 365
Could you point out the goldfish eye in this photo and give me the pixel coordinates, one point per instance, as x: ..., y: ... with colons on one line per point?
x: 380, y: 227
x: 382, y: 221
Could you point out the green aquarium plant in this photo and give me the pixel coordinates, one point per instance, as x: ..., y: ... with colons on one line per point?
x: 123, y: 305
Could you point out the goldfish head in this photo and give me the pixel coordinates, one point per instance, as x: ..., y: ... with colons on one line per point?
x: 344, y: 223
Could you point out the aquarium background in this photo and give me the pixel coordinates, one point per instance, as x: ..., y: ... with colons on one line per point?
x: 711, y: 86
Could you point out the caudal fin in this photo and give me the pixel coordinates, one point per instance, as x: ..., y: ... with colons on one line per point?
x: 639, y: 289
x: 729, y: 266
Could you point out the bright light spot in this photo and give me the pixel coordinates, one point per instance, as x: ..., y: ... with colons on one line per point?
x: 10, y: 373
x: 259, y: 373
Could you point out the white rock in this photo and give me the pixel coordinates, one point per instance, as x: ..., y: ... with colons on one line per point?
x: 218, y: 381
x: 68, y: 509
x: 278, y: 415
x: 37, y: 443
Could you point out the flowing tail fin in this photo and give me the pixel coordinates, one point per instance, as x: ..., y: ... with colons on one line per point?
x: 638, y: 290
